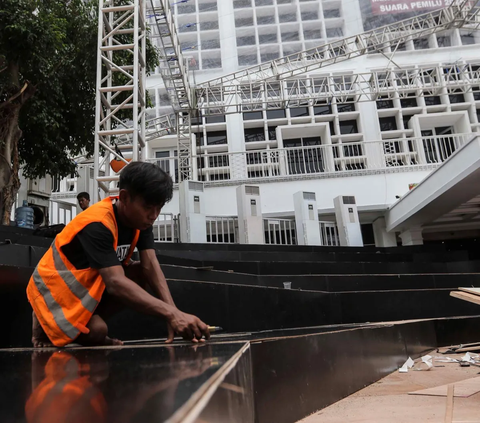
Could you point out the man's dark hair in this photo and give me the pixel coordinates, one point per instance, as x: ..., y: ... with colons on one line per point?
x: 147, y: 181
x: 85, y: 195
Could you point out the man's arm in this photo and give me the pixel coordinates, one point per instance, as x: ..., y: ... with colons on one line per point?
x: 127, y: 291
x: 155, y: 277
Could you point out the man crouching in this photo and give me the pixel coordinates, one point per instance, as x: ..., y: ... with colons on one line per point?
x: 86, y: 275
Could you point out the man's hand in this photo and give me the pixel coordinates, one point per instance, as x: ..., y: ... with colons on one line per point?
x: 189, y: 327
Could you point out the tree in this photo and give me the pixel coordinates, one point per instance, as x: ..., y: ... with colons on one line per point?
x: 48, y: 58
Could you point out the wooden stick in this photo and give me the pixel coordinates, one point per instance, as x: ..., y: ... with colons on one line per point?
x: 449, y: 410
x: 467, y: 297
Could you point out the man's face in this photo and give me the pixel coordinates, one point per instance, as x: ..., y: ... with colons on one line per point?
x: 138, y: 214
x: 83, y: 203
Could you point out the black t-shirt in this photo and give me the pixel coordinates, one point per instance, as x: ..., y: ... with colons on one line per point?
x: 93, y: 245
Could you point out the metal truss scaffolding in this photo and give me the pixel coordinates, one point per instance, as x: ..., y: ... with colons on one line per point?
x: 175, y: 77
x: 120, y: 102
x: 276, y: 84
x: 374, y: 41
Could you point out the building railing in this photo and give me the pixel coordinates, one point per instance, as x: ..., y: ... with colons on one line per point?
x: 329, y: 234
x: 280, y: 231
x: 165, y: 228
x: 222, y: 229
x: 61, y: 212
x: 324, y: 159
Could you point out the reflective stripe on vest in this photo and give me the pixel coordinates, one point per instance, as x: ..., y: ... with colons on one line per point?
x: 55, y: 308
x: 73, y: 284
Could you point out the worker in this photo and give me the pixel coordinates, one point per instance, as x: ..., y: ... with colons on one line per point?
x: 87, y: 274
x: 83, y: 200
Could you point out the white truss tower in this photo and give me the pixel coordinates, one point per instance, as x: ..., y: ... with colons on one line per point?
x: 120, y: 101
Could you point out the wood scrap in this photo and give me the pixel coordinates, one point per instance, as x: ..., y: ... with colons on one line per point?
x: 466, y: 296
x: 464, y: 389
x: 474, y: 291
x: 449, y: 408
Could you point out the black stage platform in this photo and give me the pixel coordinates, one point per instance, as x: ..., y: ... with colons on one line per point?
x: 266, y: 377
x: 321, y: 348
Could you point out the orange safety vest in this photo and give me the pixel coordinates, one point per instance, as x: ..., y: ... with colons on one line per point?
x: 64, y: 298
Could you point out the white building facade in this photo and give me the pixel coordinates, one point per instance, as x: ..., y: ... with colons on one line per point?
x: 374, y: 150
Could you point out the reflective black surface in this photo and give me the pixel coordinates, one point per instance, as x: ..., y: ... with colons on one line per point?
x: 126, y: 385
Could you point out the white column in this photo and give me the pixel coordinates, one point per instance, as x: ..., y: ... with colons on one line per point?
x: 193, y: 223
x: 250, y: 219
x: 348, y: 223
x: 412, y: 236
x: 382, y: 237
x: 306, y: 218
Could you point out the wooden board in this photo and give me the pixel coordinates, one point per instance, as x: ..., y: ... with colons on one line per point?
x: 464, y: 388
x: 474, y: 291
x: 466, y: 296
x: 449, y: 409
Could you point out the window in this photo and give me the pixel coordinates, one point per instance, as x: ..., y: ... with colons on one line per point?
x: 284, y: 1
x: 239, y: 22
x: 216, y: 137
x: 184, y: 9
x: 254, y: 134
x: 212, y: 63
x: 478, y: 114
x: 168, y: 162
x: 345, y: 107
x: 199, y: 138
x: 456, y: 98
x: 245, y: 41
x: 239, y: 4
x: 384, y: 104
x: 476, y: 93
x: 207, y: 7
x: 289, y: 17
x: 247, y: 60
x: 331, y: 13
x: 334, y: 32
x: 408, y: 102
x: 312, y: 34
x: 263, y: 2
x: 210, y: 44
x: 388, y: 123
x: 432, y: 100
x: 348, y: 127
x: 205, y: 26
x: 420, y: 43
x: 151, y: 98
x: 267, y: 38
x: 400, y: 47
x: 311, y: 15
x: 322, y: 110
x: 406, y: 119
x: 265, y: 20
x: 252, y: 115
x: 290, y: 36
x: 304, y: 160
x: 272, y: 134
x: 299, y: 111
x: 276, y: 114
x: 467, y: 39
x: 266, y: 57
x: 444, y: 41
x: 215, y: 119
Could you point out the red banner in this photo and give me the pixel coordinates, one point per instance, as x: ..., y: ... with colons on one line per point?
x: 384, y: 7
